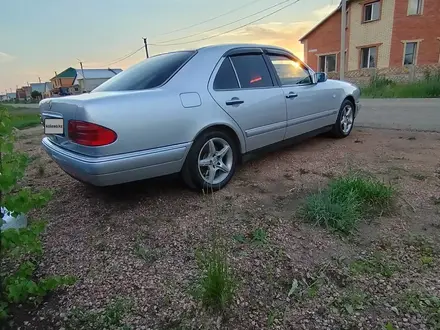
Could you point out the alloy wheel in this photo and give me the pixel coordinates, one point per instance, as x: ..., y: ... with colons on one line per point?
x: 347, y: 119
x: 215, y: 161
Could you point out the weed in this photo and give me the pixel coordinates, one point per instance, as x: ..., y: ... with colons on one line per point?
x: 389, y: 326
x: 259, y: 236
x: 373, y: 265
x: 381, y: 87
x: 345, y: 201
x: 148, y: 255
x: 426, y: 261
x: 240, y: 238
x: 216, y: 284
x: 273, y: 317
x: 352, y: 301
x: 420, y: 302
x: 110, y: 318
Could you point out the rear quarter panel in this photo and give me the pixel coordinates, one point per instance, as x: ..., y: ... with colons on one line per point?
x: 152, y: 119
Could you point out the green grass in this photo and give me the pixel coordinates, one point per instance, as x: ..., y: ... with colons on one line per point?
x: 346, y: 201
x: 216, y: 284
x: 380, y: 87
x: 374, y: 264
x: 111, y: 317
x: 21, y: 121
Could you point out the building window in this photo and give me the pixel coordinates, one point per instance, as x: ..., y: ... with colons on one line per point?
x: 415, y: 7
x: 410, y: 53
x: 327, y: 63
x: 368, y: 57
x: 371, y: 11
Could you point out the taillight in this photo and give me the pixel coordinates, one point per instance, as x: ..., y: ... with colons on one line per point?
x: 88, y: 134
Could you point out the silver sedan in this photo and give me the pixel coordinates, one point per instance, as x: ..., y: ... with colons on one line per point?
x: 194, y: 112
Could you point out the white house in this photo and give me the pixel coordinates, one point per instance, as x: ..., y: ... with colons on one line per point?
x: 92, y: 78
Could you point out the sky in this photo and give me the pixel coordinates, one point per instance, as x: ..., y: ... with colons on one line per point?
x: 41, y: 37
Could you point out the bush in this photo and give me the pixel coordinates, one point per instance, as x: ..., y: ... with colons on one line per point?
x: 346, y: 201
x: 21, y: 248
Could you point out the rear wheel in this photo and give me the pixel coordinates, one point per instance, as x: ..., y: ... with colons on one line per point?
x: 344, y: 124
x: 211, y: 162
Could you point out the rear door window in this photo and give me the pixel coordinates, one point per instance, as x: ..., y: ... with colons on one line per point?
x: 150, y: 73
x: 252, y: 71
x: 226, y: 78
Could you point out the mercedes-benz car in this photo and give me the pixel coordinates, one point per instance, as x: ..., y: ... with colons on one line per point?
x: 195, y: 112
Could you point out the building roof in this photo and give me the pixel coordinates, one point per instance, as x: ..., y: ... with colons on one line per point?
x: 95, y: 74
x: 39, y: 87
x: 68, y: 73
x: 323, y: 21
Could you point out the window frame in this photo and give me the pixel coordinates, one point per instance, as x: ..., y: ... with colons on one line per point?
x: 364, y: 8
x: 416, y: 52
x: 325, y: 62
x: 242, y: 52
x: 420, y: 7
x: 369, y: 47
x: 216, y: 71
x: 277, y: 52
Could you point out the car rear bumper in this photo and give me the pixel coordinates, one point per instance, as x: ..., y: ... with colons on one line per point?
x: 116, y: 169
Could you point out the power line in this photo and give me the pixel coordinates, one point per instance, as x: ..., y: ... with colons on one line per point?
x: 231, y: 30
x: 221, y: 26
x: 210, y: 19
x: 125, y: 57
x: 214, y: 36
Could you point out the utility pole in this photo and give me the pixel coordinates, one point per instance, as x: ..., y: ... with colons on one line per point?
x: 84, y: 77
x: 39, y: 79
x: 343, y: 25
x: 146, y: 47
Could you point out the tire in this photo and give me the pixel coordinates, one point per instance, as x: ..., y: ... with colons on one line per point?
x: 215, y: 166
x: 338, y: 130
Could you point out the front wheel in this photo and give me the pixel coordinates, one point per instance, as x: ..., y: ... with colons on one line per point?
x: 211, y: 162
x: 344, y: 124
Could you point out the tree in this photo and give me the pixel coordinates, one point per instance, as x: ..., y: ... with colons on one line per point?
x: 36, y: 94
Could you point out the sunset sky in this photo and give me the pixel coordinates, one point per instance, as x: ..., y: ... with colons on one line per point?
x: 51, y: 35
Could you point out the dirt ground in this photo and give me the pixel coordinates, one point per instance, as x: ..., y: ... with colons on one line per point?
x: 138, y: 241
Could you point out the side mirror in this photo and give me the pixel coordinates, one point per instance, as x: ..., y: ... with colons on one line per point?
x: 321, y: 77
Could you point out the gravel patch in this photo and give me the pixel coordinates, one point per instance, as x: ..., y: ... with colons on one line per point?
x: 138, y: 241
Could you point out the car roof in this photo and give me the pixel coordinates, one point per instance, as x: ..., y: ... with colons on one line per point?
x: 223, y: 48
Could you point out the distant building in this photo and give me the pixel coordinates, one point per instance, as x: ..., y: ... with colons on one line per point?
x: 39, y: 87
x: 93, y: 78
x: 379, y: 34
x: 3, y: 98
x: 11, y: 96
x: 72, y: 81
x: 47, y: 90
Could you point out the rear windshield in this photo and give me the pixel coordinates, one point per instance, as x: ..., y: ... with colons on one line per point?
x: 147, y: 74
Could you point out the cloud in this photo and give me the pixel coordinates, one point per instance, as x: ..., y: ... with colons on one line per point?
x: 323, y: 12
x: 274, y: 33
x: 5, y: 57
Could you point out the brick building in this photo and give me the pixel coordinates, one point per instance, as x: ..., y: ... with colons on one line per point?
x: 379, y: 34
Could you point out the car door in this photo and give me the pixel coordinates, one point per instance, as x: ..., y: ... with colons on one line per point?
x: 243, y: 86
x: 309, y: 105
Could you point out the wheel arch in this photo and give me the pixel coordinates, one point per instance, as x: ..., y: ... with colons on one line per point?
x: 352, y: 100
x: 238, y: 137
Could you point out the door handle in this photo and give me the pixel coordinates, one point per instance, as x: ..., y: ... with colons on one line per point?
x: 291, y: 95
x: 234, y: 101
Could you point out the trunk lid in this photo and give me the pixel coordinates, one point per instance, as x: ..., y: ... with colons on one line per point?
x: 62, y: 108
